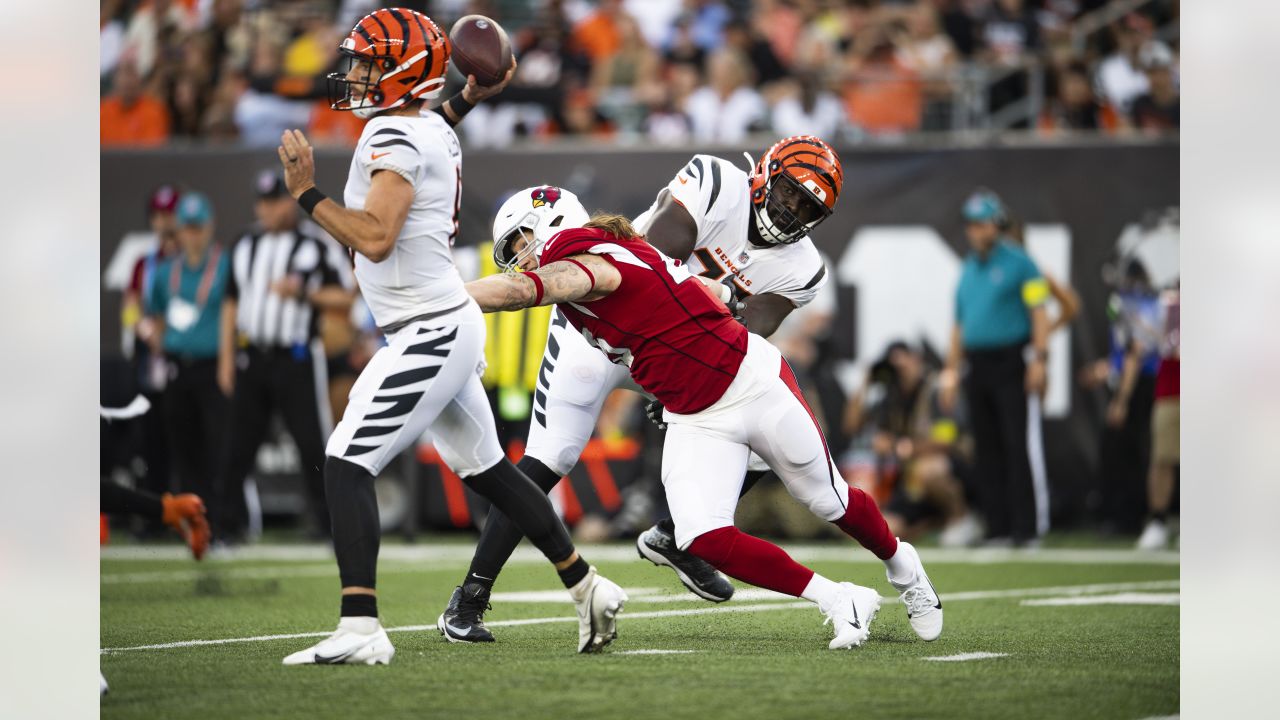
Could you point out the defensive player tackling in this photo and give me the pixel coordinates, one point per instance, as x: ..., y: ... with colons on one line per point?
x: 748, y: 234
x: 727, y: 393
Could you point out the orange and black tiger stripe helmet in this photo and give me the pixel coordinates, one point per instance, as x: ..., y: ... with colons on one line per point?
x: 806, y: 164
x: 406, y: 50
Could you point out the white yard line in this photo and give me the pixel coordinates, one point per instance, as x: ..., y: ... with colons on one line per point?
x: 655, y: 652
x: 1129, y: 598
x: 616, y: 553
x: 965, y: 657
x: 628, y: 616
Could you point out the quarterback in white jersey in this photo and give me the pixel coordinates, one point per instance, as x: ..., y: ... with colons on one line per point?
x: 746, y: 235
x: 400, y: 218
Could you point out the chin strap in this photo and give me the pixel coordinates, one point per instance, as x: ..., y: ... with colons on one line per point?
x: 751, y: 163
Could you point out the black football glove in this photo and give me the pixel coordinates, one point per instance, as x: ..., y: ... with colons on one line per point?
x: 735, y: 304
x: 653, y: 410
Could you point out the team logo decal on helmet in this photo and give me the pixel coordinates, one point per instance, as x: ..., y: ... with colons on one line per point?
x: 553, y: 209
x: 803, y: 166
x: 545, y: 196
x: 403, y: 48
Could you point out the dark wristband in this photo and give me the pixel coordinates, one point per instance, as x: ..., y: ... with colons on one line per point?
x: 310, y: 199
x: 459, y: 106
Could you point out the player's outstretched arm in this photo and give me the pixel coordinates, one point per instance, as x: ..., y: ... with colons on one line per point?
x: 762, y: 314
x: 582, y: 278
x: 371, y: 231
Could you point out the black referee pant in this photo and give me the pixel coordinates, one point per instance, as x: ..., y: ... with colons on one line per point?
x: 274, y: 379
x: 195, y: 413
x: 996, y: 390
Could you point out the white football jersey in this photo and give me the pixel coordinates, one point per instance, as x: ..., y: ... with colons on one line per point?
x: 717, y: 195
x: 419, y: 276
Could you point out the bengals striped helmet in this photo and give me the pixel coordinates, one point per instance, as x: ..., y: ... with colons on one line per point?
x: 794, y: 187
x: 396, y: 56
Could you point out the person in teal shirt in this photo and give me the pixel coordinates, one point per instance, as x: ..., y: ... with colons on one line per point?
x: 187, y: 292
x: 1002, y: 331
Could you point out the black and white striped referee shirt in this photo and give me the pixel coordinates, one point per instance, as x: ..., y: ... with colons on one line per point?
x: 258, y: 260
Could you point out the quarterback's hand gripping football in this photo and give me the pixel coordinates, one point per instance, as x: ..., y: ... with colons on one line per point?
x: 475, y: 93
x: 298, y: 159
x: 185, y: 513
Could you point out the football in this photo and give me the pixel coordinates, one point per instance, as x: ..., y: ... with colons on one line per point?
x: 480, y: 48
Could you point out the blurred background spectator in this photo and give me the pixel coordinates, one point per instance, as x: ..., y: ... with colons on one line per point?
x: 1165, y: 443
x: 1128, y: 373
x: 130, y: 115
x: 232, y: 69
x: 918, y: 452
x: 187, y: 291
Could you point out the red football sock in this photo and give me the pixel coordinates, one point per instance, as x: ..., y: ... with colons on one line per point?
x: 863, y: 522
x: 750, y: 559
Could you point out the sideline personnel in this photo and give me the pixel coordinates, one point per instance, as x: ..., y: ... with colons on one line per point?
x: 186, y: 292
x: 1002, y: 330
x: 269, y: 357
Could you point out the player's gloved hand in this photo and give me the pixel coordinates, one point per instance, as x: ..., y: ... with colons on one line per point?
x: 186, y: 514
x: 653, y: 410
x: 734, y: 303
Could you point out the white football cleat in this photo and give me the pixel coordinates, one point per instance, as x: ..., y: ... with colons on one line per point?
x: 598, y: 601
x: 357, y: 641
x: 102, y: 681
x: 1154, y: 537
x: 924, y: 607
x: 851, y: 614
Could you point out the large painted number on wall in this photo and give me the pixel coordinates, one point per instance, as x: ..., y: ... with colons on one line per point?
x: 906, y: 278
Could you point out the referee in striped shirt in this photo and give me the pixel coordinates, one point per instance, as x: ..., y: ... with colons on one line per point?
x: 270, y: 356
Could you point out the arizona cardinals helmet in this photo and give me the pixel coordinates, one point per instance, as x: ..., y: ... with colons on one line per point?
x: 544, y: 209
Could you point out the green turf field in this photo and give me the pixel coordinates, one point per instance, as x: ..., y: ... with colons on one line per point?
x: 754, y: 657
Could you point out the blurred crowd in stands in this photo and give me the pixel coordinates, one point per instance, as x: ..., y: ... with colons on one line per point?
x: 664, y: 71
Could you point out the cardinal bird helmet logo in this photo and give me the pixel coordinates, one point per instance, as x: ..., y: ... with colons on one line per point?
x: 545, y: 196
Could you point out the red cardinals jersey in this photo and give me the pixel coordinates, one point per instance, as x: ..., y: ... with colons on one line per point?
x: 678, y: 341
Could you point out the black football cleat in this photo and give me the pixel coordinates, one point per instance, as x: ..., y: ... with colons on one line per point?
x: 659, y: 547
x: 463, y: 620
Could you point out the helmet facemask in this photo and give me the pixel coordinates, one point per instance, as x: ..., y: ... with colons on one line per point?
x: 503, y: 255
x: 362, y: 96
x: 776, y: 223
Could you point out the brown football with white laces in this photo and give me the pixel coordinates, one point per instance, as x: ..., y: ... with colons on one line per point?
x: 479, y: 46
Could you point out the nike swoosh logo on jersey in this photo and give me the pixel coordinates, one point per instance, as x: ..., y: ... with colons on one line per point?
x: 375, y: 156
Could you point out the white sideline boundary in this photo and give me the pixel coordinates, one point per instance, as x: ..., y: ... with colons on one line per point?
x: 412, y: 558
x: 628, y: 616
x: 802, y: 552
